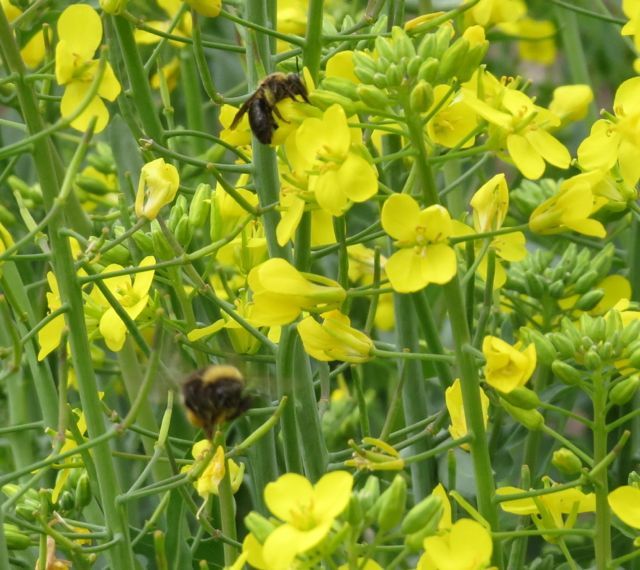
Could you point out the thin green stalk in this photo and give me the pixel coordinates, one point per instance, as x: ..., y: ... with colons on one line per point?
x: 313, y: 41
x: 602, y: 541
x: 70, y: 293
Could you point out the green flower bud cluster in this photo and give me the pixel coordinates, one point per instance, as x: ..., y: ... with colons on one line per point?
x: 549, y: 289
x: 28, y: 505
x: 76, y: 492
x: 530, y: 194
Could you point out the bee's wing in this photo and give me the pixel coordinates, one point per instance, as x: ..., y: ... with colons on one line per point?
x: 241, y: 112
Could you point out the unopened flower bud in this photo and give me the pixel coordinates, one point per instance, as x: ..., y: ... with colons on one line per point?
x: 562, y: 344
x: 372, y: 97
x: 113, y: 7
x: 199, y: 207
x: 566, y: 461
x: 592, y: 360
x: 324, y: 100
x: 157, y: 187
x: 531, y: 419
x: 422, y: 514
x: 15, y: 539
x: 421, y: 97
x: 565, y: 372
x: 259, y: 526
x: 522, y: 398
x: 624, y: 390
x: 392, y: 504
x: 544, y: 347
x: 589, y: 300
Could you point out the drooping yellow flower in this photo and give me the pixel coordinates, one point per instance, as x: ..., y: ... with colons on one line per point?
x: 334, y: 339
x: 307, y: 512
x: 467, y: 546
x: 132, y: 296
x: 157, y: 187
x: 281, y: 293
x: 455, y: 407
x: 425, y: 255
x: 453, y: 122
x: 569, y: 209
x: 548, y: 511
x: 625, y: 504
x: 522, y: 128
x: 616, y: 141
x: 507, y: 367
x: 80, y: 33
x: 208, y: 483
x: 339, y: 173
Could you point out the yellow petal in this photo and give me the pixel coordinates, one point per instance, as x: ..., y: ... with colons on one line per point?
x: 525, y: 157
x: 400, y: 215
x: 625, y: 503
x: 284, y: 496
x: 332, y: 494
x: 73, y: 95
x: 81, y: 29
x: 405, y: 271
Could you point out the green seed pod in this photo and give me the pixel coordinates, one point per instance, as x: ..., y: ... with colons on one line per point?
x: 592, y: 360
x: 392, y: 504
x: 624, y: 390
x: 545, y: 350
x: 92, y: 185
x: 452, y: 60
x: 144, y: 242
x: 184, y: 231
x: 402, y: 44
x: 563, y: 345
x: 199, y: 207
x: 324, y: 100
x: 566, y: 461
x: 259, y: 526
x: 629, y: 333
x: 531, y: 419
x: 421, y: 514
x: 556, y: 289
x: 421, y: 97
x: 567, y: 373
x: 15, y: 538
x: 373, y: 97
x: 413, y: 66
x: 414, y: 541
x: 341, y: 86
x: 83, y: 492
x: 586, y: 282
x: 589, y: 300
x: 385, y: 52
x: 522, y: 398
x: 428, y: 70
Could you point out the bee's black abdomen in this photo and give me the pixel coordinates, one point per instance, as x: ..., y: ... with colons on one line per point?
x: 261, y: 120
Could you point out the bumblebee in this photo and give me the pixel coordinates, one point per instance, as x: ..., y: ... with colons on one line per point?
x: 261, y: 106
x: 214, y: 395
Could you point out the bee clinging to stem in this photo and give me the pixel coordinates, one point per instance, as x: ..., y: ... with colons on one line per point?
x: 214, y: 395
x: 261, y: 106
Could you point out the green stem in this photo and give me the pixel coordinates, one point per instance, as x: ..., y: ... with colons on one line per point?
x: 70, y: 293
x: 602, y: 540
x: 313, y: 41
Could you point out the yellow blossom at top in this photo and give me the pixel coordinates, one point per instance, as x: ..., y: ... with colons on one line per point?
x: 631, y: 9
x: 507, y: 367
x: 522, y: 128
x: 425, y: 255
x: 382, y: 456
x: 157, y: 187
x: 281, y: 292
x: 208, y: 483
x: 80, y: 33
x: 133, y: 296
x: 455, y: 407
x: 548, y: 511
x: 537, y: 43
x: 625, y: 504
x: 616, y: 141
x: 569, y: 209
x: 307, y: 512
x: 466, y: 546
x: 334, y: 339
x: 490, y: 12
x: 339, y: 172
x: 453, y: 122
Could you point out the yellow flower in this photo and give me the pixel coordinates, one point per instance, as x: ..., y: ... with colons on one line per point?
x: 292, y: 19
x: 522, y: 127
x: 80, y: 33
x: 631, y: 9
x: 507, y: 367
x: 547, y: 511
x: 251, y: 553
x: 467, y: 546
x: 49, y: 336
x: 6, y: 241
x: 616, y: 141
x: 542, y: 47
x: 208, y: 8
x: 489, y: 12
x: 170, y: 73
x: 425, y: 255
x: 69, y: 444
x: 490, y: 204
x: 157, y: 187
x: 33, y: 51
x: 226, y: 213
x: 281, y: 293
x: 339, y: 172
x: 341, y: 65
x: 569, y: 210
x: 454, y: 121
x: 308, y: 512
x: 625, y: 504
x: 133, y: 297
x: 571, y: 102
x: 334, y: 339
x: 183, y: 27
x: 209, y: 481
x: 363, y: 564
x: 453, y: 399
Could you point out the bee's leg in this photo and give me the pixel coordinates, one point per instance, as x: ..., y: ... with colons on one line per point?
x: 293, y: 93
x: 277, y: 114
